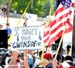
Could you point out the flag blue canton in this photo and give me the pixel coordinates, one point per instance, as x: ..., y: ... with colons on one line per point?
x: 66, y: 3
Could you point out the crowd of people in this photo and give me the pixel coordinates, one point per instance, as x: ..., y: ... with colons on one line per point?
x: 31, y: 59
x: 34, y: 59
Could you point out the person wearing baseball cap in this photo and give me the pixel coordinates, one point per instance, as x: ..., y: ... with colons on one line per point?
x: 68, y: 62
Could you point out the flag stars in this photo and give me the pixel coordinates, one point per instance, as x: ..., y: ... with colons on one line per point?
x: 66, y: 3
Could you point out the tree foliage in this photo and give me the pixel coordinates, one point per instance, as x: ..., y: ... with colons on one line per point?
x: 39, y: 7
x: 19, y: 5
x: 3, y: 2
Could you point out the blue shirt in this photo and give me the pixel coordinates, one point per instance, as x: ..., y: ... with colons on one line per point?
x: 9, y: 31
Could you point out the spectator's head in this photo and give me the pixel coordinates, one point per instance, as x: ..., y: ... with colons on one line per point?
x: 7, y: 24
x: 68, y: 58
x: 47, y: 56
x: 60, y: 58
x: 15, y: 53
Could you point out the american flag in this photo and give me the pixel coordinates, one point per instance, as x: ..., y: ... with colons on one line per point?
x: 61, y: 19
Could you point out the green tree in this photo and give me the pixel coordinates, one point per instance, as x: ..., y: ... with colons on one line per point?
x: 3, y: 2
x: 39, y: 7
x: 19, y: 5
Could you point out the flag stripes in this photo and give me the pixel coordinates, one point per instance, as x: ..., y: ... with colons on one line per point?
x: 58, y: 25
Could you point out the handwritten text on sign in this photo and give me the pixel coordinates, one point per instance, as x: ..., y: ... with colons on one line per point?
x: 27, y: 37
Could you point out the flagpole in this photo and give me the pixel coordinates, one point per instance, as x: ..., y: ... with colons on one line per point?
x: 20, y: 19
x: 24, y: 12
x: 44, y: 45
x: 8, y: 11
x: 50, y: 13
x: 51, y: 8
x: 59, y: 45
x: 70, y: 52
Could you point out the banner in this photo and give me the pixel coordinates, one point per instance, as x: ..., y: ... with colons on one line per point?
x: 27, y: 37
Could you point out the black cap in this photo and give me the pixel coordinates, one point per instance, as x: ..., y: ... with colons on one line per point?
x: 68, y: 46
x: 68, y: 58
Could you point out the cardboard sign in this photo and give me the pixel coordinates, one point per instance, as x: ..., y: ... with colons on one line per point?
x: 27, y: 37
